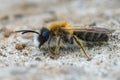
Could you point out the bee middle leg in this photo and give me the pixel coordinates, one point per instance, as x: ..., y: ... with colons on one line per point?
x: 54, y: 54
x: 81, y: 45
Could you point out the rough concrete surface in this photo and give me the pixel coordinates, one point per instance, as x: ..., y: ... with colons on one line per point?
x: 21, y: 59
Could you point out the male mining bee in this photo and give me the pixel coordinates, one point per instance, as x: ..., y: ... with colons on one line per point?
x: 63, y: 31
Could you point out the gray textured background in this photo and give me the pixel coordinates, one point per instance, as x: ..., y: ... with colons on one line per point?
x: 31, y: 63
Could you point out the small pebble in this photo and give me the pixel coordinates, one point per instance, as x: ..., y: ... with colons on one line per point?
x: 25, y: 54
x: 7, y: 33
x: 38, y: 59
x: 20, y: 46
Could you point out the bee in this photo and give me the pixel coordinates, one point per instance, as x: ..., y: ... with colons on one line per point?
x: 63, y: 31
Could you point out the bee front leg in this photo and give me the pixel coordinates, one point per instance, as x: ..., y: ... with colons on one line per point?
x: 51, y: 52
x: 81, y: 45
x: 57, y: 47
x: 54, y: 55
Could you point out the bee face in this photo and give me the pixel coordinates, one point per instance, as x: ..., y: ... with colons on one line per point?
x: 44, y: 36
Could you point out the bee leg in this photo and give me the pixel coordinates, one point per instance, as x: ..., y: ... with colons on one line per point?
x: 51, y: 52
x: 57, y: 47
x: 54, y: 55
x: 81, y: 45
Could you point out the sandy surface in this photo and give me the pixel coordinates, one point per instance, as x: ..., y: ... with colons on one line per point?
x: 30, y: 63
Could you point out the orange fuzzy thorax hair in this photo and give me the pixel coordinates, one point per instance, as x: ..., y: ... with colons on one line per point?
x: 56, y: 25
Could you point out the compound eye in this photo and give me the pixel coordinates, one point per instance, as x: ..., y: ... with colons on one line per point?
x: 45, y: 33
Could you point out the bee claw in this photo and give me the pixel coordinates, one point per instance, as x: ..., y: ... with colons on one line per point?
x: 89, y: 59
x: 54, y: 57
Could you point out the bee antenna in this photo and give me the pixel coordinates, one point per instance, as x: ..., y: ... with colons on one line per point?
x: 27, y: 31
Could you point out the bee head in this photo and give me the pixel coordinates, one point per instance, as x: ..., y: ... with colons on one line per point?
x: 43, y: 36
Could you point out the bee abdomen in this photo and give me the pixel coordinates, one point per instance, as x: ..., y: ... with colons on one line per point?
x: 92, y: 37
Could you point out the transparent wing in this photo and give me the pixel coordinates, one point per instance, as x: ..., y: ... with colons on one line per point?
x: 89, y: 29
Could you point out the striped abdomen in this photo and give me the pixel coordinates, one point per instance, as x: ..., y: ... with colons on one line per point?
x: 92, y: 36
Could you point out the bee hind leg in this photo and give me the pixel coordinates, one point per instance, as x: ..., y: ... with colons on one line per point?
x: 81, y: 45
